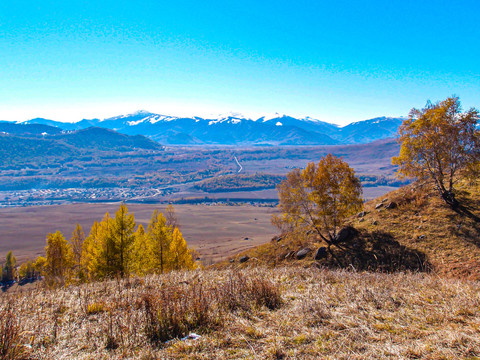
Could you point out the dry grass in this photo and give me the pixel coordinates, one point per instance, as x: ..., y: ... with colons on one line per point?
x: 420, y: 234
x: 422, y: 222
x: 11, y: 338
x: 283, y: 313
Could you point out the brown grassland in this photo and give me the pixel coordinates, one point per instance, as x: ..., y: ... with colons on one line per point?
x: 410, y: 291
x: 256, y: 313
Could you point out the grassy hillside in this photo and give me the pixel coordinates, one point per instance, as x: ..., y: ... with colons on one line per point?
x: 281, y: 313
x: 421, y: 233
x: 297, y: 309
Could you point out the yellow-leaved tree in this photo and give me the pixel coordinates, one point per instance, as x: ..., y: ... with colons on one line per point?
x: 141, y: 260
x: 181, y: 256
x: 159, y: 237
x: 100, y: 248
x: 59, y: 260
x: 107, y: 249
x: 123, y: 236
x: 439, y: 142
x: 89, y: 252
x: 319, y: 198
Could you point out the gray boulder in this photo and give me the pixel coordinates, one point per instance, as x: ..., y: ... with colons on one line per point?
x: 391, y: 205
x: 244, y: 258
x: 301, y: 254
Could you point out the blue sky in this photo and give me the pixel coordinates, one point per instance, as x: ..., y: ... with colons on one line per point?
x: 338, y: 61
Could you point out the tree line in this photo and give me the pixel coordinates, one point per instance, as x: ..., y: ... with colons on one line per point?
x: 115, y: 247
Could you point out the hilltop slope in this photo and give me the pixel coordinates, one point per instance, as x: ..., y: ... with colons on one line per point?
x: 420, y: 233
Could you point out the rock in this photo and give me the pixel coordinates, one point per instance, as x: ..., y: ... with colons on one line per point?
x: 375, y: 222
x: 246, y: 238
x: 361, y: 214
x: 361, y: 220
x: 346, y: 234
x: 384, y: 200
x: 244, y: 259
x: 289, y: 254
x: 231, y: 260
x: 276, y: 239
x: 391, y: 205
x: 421, y: 237
x: 378, y: 206
x: 321, y: 253
x: 191, y: 336
x: 301, y: 254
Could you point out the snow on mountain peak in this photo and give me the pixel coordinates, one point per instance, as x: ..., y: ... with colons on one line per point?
x: 271, y: 117
x: 231, y: 118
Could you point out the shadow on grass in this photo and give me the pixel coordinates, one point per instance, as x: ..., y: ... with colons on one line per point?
x: 464, y: 222
x: 379, y: 251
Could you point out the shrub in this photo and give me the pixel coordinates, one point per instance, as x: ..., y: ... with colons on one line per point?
x: 95, y: 308
x: 241, y: 292
x: 175, y: 310
x: 11, y: 346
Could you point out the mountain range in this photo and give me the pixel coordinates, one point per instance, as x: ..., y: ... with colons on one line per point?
x: 232, y: 129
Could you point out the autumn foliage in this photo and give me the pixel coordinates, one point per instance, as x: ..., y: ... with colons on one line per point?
x: 116, y: 247
x: 319, y: 198
x: 439, y: 142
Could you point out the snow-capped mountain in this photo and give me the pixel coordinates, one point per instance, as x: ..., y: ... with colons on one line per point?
x: 236, y: 129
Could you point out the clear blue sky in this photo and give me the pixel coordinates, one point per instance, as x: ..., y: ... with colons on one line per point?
x: 338, y: 61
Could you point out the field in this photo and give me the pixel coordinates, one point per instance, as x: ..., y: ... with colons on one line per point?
x: 215, y: 231
x: 255, y: 313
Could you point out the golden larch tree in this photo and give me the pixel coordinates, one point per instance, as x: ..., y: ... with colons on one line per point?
x: 181, y: 256
x: 123, y: 237
x: 159, y: 237
x: 140, y: 261
x: 59, y: 260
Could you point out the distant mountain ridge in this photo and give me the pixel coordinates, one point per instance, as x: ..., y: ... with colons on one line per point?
x: 31, y: 140
x: 235, y: 129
